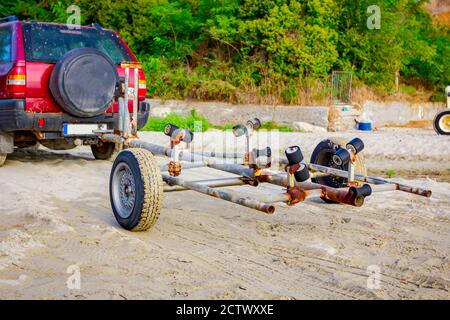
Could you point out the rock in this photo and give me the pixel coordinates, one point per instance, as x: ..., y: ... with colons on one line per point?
x: 306, y: 127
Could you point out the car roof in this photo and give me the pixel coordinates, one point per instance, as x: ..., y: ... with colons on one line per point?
x: 13, y: 20
x: 92, y: 26
x: 8, y: 23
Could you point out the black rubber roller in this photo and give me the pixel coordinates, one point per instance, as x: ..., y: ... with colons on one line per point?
x: 363, y: 191
x: 302, y: 173
x: 254, y: 123
x: 294, y: 155
x: 169, y: 129
x: 239, y: 130
x: 341, y: 157
x: 266, y: 152
x: 356, y: 145
x: 188, y: 136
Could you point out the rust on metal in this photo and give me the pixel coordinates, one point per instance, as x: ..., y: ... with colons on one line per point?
x: 292, y: 169
x: 176, y: 139
x: 174, y: 168
x: 246, y: 202
x: 296, y: 195
x: 342, y: 196
x: 131, y: 65
x: 373, y: 180
x: 353, y: 183
x: 250, y: 181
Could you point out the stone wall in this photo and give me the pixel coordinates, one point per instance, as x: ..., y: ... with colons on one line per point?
x: 334, y: 118
x: 219, y: 113
x: 401, y: 113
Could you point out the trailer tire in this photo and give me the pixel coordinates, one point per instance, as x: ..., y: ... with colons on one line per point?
x: 103, y: 150
x: 323, y: 155
x: 136, y: 189
x: 2, y: 159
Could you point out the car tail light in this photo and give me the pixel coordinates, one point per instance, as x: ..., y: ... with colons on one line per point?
x: 142, y: 92
x: 16, y: 81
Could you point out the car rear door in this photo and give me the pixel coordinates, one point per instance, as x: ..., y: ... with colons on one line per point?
x: 7, y: 57
x: 45, y: 44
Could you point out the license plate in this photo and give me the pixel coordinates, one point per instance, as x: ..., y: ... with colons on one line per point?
x: 82, y: 129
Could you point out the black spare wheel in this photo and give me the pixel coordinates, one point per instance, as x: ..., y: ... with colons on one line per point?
x: 83, y: 82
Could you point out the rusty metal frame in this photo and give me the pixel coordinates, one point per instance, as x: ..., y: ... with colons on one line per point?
x: 247, y: 172
x: 299, y: 192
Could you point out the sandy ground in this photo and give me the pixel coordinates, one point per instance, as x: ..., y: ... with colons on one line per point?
x: 56, y: 219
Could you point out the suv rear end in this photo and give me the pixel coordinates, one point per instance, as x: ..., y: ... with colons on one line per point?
x: 29, y: 112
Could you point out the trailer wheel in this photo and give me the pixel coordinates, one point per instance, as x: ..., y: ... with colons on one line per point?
x: 442, y: 122
x: 323, y: 155
x: 136, y: 189
x: 2, y: 159
x: 103, y: 150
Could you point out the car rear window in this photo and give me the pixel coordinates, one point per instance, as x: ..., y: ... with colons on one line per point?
x: 48, y: 43
x: 5, y: 45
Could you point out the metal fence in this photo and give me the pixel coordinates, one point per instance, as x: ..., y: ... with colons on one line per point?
x: 341, y: 87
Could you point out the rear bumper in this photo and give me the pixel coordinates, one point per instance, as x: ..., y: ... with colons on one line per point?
x: 14, y: 118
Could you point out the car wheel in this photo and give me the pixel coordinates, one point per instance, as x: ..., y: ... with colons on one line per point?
x: 136, y: 189
x: 103, y: 150
x: 442, y: 122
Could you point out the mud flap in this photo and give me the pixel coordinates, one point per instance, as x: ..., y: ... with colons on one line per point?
x: 6, y: 143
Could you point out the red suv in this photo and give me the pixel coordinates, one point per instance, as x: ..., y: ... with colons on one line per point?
x: 58, y: 86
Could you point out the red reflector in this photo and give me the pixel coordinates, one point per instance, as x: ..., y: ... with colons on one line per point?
x: 41, y: 123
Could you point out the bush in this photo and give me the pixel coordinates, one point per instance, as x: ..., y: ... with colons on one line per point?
x: 194, y: 122
x: 271, y: 51
x: 407, y: 89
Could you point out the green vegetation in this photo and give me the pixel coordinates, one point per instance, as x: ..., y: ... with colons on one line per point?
x: 194, y: 122
x: 390, y: 173
x: 271, y: 51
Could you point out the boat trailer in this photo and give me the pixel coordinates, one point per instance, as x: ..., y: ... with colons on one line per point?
x: 137, y: 181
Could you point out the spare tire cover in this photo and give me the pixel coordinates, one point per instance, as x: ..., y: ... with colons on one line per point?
x: 83, y: 82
